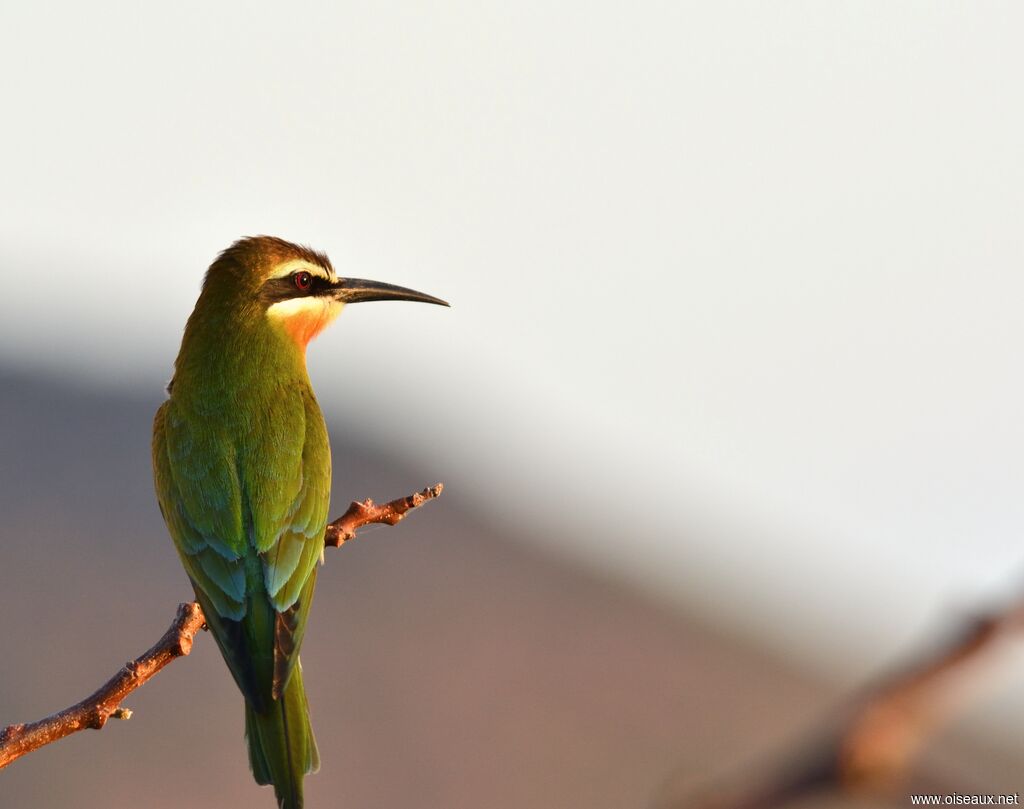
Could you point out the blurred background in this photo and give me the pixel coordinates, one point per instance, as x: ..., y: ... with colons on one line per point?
x: 727, y: 404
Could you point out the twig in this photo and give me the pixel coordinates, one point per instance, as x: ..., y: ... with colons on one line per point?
x: 869, y: 746
x: 105, y: 703
x: 98, y: 707
x: 366, y: 512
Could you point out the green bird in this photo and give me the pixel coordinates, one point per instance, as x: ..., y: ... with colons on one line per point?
x: 242, y: 465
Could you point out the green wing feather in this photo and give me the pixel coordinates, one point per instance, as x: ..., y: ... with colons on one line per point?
x: 200, y: 500
x: 289, y: 565
x: 245, y: 499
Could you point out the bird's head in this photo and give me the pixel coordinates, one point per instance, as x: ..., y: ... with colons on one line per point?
x: 267, y: 281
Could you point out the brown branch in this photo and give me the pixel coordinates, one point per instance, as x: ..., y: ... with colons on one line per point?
x: 105, y: 703
x: 871, y: 743
x: 101, y: 705
x: 359, y: 514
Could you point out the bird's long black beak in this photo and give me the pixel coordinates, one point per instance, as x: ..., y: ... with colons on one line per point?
x: 358, y: 290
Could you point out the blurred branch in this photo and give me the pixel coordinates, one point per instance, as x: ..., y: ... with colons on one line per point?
x: 871, y: 743
x: 105, y: 703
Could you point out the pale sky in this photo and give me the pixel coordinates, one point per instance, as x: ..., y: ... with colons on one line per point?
x: 736, y: 287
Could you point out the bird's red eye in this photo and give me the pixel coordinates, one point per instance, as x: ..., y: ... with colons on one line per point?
x: 303, y: 281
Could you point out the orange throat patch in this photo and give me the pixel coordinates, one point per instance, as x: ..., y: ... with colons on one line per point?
x: 302, y: 319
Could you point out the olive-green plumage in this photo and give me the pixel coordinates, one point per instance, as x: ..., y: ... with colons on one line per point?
x: 242, y: 466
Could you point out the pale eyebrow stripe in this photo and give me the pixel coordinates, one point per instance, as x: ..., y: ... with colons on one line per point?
x: 286, y: 269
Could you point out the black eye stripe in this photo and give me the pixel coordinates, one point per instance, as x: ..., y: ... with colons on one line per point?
x: 284, y: 288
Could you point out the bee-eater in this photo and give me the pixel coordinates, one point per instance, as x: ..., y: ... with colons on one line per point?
x: 242, y: 466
